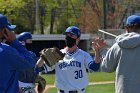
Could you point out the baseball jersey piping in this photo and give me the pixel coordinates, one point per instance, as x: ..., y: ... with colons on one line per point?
x: 70, y: 54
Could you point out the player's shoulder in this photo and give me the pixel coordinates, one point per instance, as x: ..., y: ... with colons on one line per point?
x: 83, y: 52
x: 7, y: 47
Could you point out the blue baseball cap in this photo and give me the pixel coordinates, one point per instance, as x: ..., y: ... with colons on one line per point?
x: 5, y: 24
x: 73, y: 30
x: 133, y: 19
x: 24, y: 36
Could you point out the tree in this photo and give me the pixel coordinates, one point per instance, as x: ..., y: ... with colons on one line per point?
x: 116, y: 12
x: 22, y: 13
x: 90, y: 19
x: 9, y: 8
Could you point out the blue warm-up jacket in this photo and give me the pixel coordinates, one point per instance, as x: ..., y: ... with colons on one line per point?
x: 13, y: 58
x: 28, y: 75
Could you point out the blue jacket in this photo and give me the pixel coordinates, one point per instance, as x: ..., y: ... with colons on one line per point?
x: 12, y: 59
x: 28, y: 75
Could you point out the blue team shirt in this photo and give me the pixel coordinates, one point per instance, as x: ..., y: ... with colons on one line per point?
x: 27, y: 75
x: 13, y: 59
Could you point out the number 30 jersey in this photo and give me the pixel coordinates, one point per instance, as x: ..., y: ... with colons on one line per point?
x: 71, y: 71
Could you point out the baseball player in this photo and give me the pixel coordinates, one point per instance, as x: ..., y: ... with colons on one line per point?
x: 71, y: 74
x: 13, y: 58
x: 26, y: 77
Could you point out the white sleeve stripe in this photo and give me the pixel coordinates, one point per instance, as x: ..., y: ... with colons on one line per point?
x: 90, y: 63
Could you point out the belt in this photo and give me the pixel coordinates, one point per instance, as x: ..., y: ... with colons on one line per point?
x: 71, y: 91
x: 23, y: 89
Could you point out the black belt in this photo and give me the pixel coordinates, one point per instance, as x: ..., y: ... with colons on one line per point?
x: 72, y: 91
x: 23, y: 89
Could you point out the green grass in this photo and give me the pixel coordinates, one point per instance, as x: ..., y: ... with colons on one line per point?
x: 93, y: 77
x: 102, y: 88
x: 100, y: 76
x: 51, y: 90
x: 49, y: 78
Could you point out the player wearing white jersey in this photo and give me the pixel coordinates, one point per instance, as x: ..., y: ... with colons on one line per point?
x: 71, y: 74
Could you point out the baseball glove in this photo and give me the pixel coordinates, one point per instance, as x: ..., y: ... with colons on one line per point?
x: 41, y: 83
x: 51, y: 55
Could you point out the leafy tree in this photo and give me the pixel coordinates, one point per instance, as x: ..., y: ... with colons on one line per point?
x: 92, y: 17
x: 9, y: 8
x: 23, y: 13
x: 26, y: 16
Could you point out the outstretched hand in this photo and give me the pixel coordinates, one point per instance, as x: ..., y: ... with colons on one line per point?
x: 98, y: 43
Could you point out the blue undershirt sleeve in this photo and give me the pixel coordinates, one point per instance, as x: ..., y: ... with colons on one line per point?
x: 38, y: 69
x: 94, y: 66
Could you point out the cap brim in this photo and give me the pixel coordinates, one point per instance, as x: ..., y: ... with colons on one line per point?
x: 11, y: 27
x: 68, y: 32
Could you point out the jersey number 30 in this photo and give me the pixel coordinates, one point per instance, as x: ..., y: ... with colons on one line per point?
x: 78, y: 74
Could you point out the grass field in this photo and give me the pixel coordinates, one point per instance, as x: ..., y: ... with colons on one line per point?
x: 93, y: 77
x: 103, y: 88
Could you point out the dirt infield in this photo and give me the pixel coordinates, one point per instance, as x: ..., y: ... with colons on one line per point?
x: 90, y: 83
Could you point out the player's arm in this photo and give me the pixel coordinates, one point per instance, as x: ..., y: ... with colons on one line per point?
x: 42, y: 66
x: 97, y: 56
x: 10, y: 36
x: 97, y: 44
x: 95, y: 64
x: 18, y: 60
x: 39, y: 66
x: 40, y: 62
x: 20, y: 48
x: 90, y: 62
x: 19, y: 56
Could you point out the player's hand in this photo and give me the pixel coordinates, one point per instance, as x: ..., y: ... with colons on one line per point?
x: 9, y: 35
x: 98, y: 43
